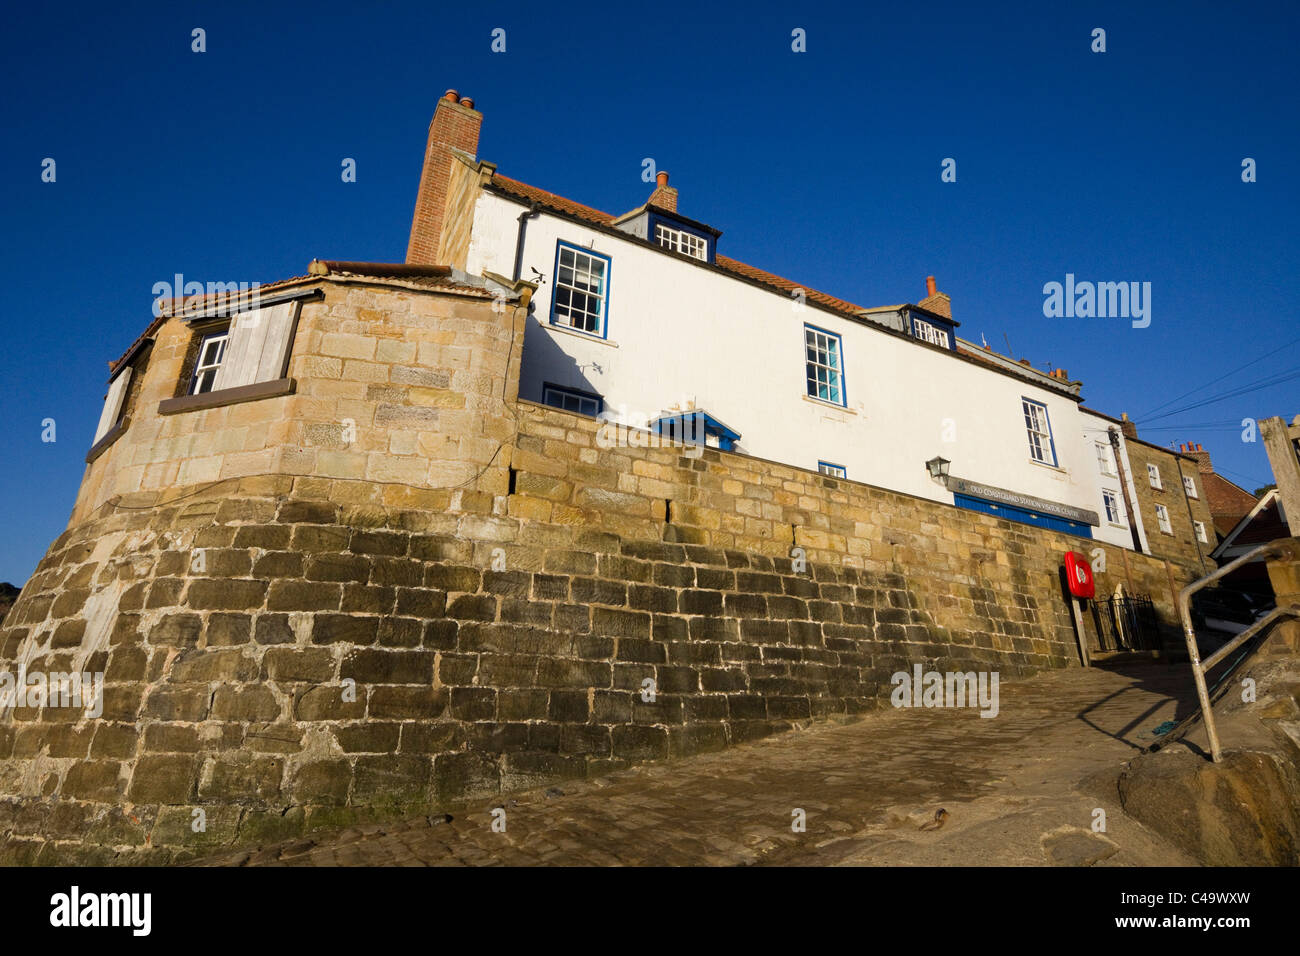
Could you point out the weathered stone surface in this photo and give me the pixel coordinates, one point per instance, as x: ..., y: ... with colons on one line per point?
x: 163, y: 779
x: 486, y: 645
x: 1240, y: 812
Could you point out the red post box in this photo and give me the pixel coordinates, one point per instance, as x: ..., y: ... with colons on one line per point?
x: 1078, y: 572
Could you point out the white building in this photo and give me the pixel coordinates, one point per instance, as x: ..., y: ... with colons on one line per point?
x: 641, y: 313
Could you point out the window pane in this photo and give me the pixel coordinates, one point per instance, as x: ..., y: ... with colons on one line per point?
x: 579, y: 300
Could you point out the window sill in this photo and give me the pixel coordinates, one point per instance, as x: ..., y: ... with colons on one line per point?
x: 227, y: 396
x: 825, y: 404
x: 1042, y: 464
x: 587, y: 336
x: 101, y: 446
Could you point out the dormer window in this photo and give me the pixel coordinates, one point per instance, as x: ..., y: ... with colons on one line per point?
x: 680, y: 241
x: 930, y: 333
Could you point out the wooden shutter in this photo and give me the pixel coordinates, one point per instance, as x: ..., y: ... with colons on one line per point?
x: 258, y: 346
x: 113, y: 404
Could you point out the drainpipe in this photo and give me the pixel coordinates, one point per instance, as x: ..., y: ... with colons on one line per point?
x: 519, y: 241
x: 1123, y: 486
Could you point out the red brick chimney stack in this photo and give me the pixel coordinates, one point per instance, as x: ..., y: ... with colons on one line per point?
x: 935, y: 301
x: 1194, y: 450
x: 455, y: 125
x: 1129, y: 428
x: 664, y: 196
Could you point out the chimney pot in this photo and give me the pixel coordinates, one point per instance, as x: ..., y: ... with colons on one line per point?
x: 930, y: 287
x: 661, y: 179
x: 451, y: 95
x: 467, y: 102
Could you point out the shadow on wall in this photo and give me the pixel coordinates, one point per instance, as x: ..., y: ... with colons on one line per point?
x: 544, y: 361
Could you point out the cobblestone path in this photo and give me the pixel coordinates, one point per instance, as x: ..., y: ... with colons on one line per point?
x: 1010, y: 784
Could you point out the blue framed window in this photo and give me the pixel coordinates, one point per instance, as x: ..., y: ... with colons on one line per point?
x: 581, y: 298
x: 835, y: 471
x: 688, y: 239
x: 931, y: 332
x: 1111, y: 500
x: 825, y: 377
x: 1041, y: 447
x: 572, y: 400
x: 679, y: 240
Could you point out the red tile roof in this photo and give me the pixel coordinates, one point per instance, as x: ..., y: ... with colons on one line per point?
x: 432, y: 277
x: 531, y: 194
x: 427, y: 277
x: 1228, y: 502
x: 170, y: 307
x: 1265, y: 527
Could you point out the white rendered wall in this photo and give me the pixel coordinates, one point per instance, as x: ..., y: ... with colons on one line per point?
x: 679, y: 332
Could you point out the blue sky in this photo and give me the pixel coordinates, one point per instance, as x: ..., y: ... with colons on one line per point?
x: 822, y: 166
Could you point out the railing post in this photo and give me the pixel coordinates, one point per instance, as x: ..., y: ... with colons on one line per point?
x: 1284, y: 575
x: 1202, y: 692
x: 1284, y: 553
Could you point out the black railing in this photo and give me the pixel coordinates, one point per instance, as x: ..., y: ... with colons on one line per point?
x: 1127, y: 624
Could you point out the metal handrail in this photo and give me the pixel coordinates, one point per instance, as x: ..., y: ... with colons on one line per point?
x: 1199, y: 667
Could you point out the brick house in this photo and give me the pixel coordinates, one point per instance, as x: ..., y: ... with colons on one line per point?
x: 1228, y: 502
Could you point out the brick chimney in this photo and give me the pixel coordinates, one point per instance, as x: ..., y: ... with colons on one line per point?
x: 1194, y: 450
x: 664, y: 196
x: 936, y: 301
x: 1129, y: 428
x: 455, y: 125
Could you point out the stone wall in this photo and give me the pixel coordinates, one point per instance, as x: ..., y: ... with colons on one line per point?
x: 299, y: 627
x: 405, y: 386
x: 282, y: 661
